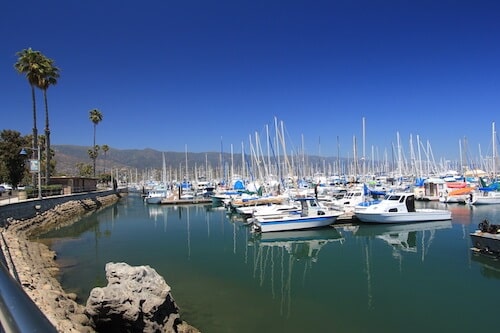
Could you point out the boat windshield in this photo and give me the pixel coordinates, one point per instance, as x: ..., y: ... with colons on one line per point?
x: 393, y: 197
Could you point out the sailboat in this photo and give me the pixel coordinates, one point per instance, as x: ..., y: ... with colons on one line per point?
x: 159, y: 192
x: 488, y: 195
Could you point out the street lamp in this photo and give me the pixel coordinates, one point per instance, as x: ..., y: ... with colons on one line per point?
x: 35, y: 167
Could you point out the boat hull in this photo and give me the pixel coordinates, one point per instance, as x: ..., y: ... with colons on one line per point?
x: 288, y: 223
x: 487, y: 201
x: 420, y: 215
x: 153, y: 200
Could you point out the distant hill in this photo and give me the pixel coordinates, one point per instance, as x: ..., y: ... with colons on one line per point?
x: 68, y: 156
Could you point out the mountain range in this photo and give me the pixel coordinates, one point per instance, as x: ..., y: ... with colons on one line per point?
x: 68, y: 157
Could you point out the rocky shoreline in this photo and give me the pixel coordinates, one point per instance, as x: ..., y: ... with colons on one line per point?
x: 35, y: 265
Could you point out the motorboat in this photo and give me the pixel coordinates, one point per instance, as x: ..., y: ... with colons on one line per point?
x: 485, y: 198
x: 349, y: 200
x: 246, y: 205
x: 156, y: 196
x: 311, y: 215
x: 399, y: 208
x: 487, y: 238
x: 269, y: 207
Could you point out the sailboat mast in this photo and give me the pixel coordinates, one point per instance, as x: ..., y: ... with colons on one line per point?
x: 493, y: 133
x: 363, y: 158
x: 187, y: 171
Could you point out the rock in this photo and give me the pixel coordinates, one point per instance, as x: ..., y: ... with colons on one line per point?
x: 136, y: 299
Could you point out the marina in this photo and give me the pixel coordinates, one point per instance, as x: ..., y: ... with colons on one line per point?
x: 226, y: 278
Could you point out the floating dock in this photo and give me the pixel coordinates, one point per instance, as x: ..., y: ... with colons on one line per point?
x: 175, y: 201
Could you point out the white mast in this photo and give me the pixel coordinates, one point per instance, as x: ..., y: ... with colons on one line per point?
x: 363, y: 158
x: 494, y: 155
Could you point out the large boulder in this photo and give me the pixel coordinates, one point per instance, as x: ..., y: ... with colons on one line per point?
x: 136, y: 299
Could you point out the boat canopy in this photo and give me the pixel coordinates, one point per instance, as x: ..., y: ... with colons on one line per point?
x: 238, y: 185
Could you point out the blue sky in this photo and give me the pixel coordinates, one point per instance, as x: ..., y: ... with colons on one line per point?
x: 174, y: 74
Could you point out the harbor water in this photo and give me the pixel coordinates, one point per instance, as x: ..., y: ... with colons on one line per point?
x: 349, y: 278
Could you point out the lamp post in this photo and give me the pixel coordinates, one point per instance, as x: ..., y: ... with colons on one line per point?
x: 35, y: 167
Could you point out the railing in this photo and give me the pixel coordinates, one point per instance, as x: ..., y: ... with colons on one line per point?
x: 18, y: 312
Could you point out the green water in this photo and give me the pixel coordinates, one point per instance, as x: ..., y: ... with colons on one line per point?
x: 345, y: 279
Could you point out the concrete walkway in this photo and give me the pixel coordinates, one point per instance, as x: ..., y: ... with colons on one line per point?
x: 6, y: 200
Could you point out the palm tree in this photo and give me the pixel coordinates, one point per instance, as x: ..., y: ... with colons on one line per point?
x: 31, y: 64
x: 49, y: 78
x: 105, y: 149
x: 95, y: 117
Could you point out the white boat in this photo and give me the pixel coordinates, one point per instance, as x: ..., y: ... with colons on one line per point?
x: 156, y: 196
x: 271, y: 205
x: 269, y: 210
x: 158, y: 191
x: 487, y: 238
x: 485, y: 198
x: 352, y: 197
x: 489, y: 195
x: 249, y: 201
x: 400, y: 208
x: 311, y: 215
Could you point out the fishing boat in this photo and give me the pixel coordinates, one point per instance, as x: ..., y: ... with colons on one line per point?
x: 311, y: 215
x: 399, y: 208
x: 487, y: 238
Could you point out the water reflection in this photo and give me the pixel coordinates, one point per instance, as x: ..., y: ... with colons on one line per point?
x: 403, y: 237
x: 489, y: 265
x: 279, y: 253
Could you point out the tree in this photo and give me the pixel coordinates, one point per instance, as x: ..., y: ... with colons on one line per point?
x: 31, y: 64
x: 49, y: 77
x: 105, y: 149
x: 95, y: 117
x: 41, y: 73
x: 12, y: 164
x: 84, y: 170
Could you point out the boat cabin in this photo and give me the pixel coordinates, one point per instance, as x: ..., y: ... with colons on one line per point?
x: 310, y: 205
x: 407, y: 198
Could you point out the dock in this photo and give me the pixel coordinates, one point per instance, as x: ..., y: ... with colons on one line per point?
x: 175, y: 201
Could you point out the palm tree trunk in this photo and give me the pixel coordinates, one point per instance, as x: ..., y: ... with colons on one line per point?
x: 35, y: 133
x: 47, y: 139
x: 93, y: 148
